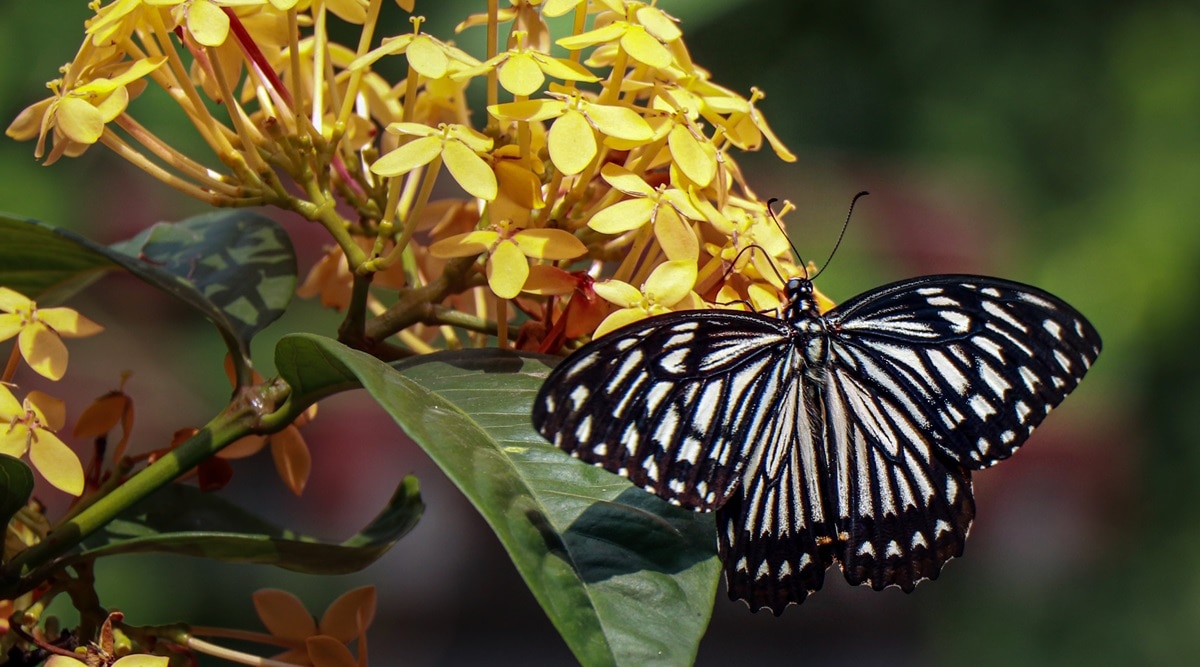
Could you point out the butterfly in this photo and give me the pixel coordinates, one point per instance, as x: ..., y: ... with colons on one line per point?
x: 847, y: 436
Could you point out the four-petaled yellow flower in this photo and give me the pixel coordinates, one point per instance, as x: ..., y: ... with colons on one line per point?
x: 83, y: 103
x: 571, y: 141
x: 41, y: 331
x: 666, y: 209
x: 508, y: 251
x: 668, y: 288
x: 456, y: 145
x: 522, y: 71
x: 645, y: 40
x: 29, y: 427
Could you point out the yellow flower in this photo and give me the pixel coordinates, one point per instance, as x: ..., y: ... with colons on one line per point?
x: 668, y: 288
x: 666, y: 209
x: 522, y: 71
x: 456, y: 145
x: 29, y: 427
x: 82, y: 105
x: 41, y: 331
x: 509, y: 249
x: 643, y: 41
x: 427, y: 55
x: 572, y: 139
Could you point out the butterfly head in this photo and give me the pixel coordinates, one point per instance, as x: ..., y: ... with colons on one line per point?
x: 801, y: 301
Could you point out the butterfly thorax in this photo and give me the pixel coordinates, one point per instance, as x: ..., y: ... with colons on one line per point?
x: 802, y: 313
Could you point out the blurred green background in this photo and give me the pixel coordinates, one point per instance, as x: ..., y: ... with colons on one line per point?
x: 1056, y: 143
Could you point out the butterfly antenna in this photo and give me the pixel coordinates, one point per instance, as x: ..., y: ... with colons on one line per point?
x: 771, y: 211
x: 841, y: 234
x: 751, y: 248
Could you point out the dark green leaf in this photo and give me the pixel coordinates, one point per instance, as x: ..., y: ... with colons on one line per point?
x: 43, y: 264
x: 179, y: 519
x: 625, y: 577
x: 16, y: 485
x: 238, y: 268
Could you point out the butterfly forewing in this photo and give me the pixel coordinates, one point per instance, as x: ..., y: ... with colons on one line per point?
x: 670, y: 402
x: 970, y: 364
x: 845, y: 437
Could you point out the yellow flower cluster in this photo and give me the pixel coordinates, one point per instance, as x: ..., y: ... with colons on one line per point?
x: 599, y: 189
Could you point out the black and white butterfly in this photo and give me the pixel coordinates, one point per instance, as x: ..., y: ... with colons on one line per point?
x: 848, y: 436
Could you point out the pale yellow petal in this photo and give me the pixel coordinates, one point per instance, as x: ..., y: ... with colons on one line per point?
x: 9, y: 406
x: 427, y: 57
x: 79, y: 121
x: 507, y: 270
x: 549, y: 244
x: 10, y: 325
x: 43, y: 350
x: 623, y: 216
x: 618, y: 319
x: 658, y: 24
x: 620, y: 122
x: 416, y: 153
x: 471, y: 171
x: 676, y: 237
x: 56, y: 462
x: 142, y: 660
x: 670, y: 282
x: 697, y: 161
x: 520, y: 75
x: 625, y: 180
x: 644, y: 48
x: 11, y: 301
x: 14, y: 440
x: 617, y: 292
x: 572, y: 143
x: 207, y: 22
x: 68, y: 322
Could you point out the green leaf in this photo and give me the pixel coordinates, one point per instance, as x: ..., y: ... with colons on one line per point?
x: 16, y: 486
x: 238, y: 268
x: 180, y: 519
x: 625, y: 577
x: 39, y: 262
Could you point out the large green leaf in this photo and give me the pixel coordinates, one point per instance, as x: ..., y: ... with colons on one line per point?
x: 238, y: 268
x: 625, y: 577
x: 180, y: 519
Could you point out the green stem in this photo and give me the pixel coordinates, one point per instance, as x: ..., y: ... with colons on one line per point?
x: 241, y: 418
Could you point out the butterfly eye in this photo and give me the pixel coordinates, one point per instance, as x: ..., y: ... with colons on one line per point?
x: 816, y: 443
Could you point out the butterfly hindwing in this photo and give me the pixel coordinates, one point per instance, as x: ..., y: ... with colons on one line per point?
x: 903, y: 510
x: 664, y: 401
x: 774, y: 533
